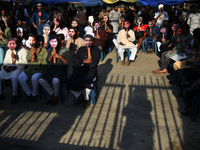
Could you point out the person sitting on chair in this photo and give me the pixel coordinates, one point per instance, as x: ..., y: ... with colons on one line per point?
x: 86, y: 59
x: 152, y: 34
x: 59, y: 57
x: 37, y: 63
x: 74, y: 42
x: 13, y: 64
x: 100, y: 36
x: 125, y: 39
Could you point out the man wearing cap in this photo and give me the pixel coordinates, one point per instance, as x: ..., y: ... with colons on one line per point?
x: 160, y: 15
x: 86, y: 60
x: 194, y: 19
x: 39, y: 18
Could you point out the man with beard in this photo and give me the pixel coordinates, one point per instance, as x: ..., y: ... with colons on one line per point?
x: 100, y: 36
x: 86, y: 60
x: 13, y: 64
x: 28, y: 43
x: 37, y: 63
x: 125, y: 39
x: 75, y: 42
x: 59, y: 57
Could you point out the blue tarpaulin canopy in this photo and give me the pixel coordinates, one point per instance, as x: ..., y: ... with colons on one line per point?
x: 154, y: 3
x: 91, y: 3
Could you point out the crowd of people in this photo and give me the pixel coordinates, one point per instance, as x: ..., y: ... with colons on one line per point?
x: 40, y: 46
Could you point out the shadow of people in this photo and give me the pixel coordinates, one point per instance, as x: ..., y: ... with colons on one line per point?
x: 139, y: 129
x: 103, y: 71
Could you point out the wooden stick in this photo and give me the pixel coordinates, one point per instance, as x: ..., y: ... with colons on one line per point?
x: 39, y: 21
x: 32, y: 53
x: 163, y: 36
x: 71, y: 40
x: 105, y: 25
x: 139, y: 26
x: 150, y: 32
x: 46, y: 38
x: 13, y: 61
x: 178, y: 40
x: 97, y: 32
x: 89, y: 52
x: 54, y: 59
x: 122, y: 25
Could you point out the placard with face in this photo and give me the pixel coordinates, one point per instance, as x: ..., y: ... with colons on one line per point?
x: 31, y: 41
x: 12, y: 44
x: 91, y: 19
x: 188, y: 49
x: 179, y: 31
x: 46, y: 29
x: 163, y: 30
x: 53, y: 42
x: 150, y: 24
x: 175, y: 27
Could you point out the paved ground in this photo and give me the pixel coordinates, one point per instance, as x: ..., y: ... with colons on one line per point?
x: 136, y: 110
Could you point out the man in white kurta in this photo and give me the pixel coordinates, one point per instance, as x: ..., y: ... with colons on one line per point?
x: 13, y: 65
x: 125, y: 39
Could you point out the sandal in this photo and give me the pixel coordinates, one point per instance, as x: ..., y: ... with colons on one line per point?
x: 123, y: 63
x: 154, y: 72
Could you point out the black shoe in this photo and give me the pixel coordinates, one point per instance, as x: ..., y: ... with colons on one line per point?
x: 2, y: 97
x: 185, y: 113
x: 33, y: 99
x: 54, y: 100
x: 14, y: 99
x: 48, y: 102
x: 79, y: 100
x: 28, y: 98
x: 86, y: 103
x: 180, y: 95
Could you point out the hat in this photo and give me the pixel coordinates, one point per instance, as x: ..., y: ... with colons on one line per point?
x: 160, y: 6
x: 39, y: 5
x: 166, y: 19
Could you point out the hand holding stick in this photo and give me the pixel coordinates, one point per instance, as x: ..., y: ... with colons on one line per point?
x: 32, y: 59
x: 54, y: 59
x: 150, y: 31
x: 13, y: 61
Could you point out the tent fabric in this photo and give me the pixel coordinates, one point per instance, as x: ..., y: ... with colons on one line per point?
x: 91, y: 3
x: 114, y: 1
x: 154, y: 3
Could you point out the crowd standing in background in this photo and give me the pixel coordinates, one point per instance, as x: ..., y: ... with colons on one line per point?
x: 39, y: 42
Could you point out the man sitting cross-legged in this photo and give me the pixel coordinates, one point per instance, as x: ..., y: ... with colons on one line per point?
x: 59, y: 57
x: 86, y: 60
x: 125, y: 39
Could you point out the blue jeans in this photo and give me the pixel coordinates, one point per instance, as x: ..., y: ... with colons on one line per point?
x: 39, y: 31
x: 146, y: 42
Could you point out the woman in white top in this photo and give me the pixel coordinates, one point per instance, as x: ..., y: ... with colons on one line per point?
x: 63, y: 30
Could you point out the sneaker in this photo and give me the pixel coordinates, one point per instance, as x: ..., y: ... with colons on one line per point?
x: 2, y: 97
x: 79, y: 100
x: 86, y: 103
x: 14, y: 99
x: 34, y: 98
x: 28, y: 98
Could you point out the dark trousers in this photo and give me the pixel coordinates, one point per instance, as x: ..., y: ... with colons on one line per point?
x: 186, y: 74
x: 165, y: 61
x: 189, y: 92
